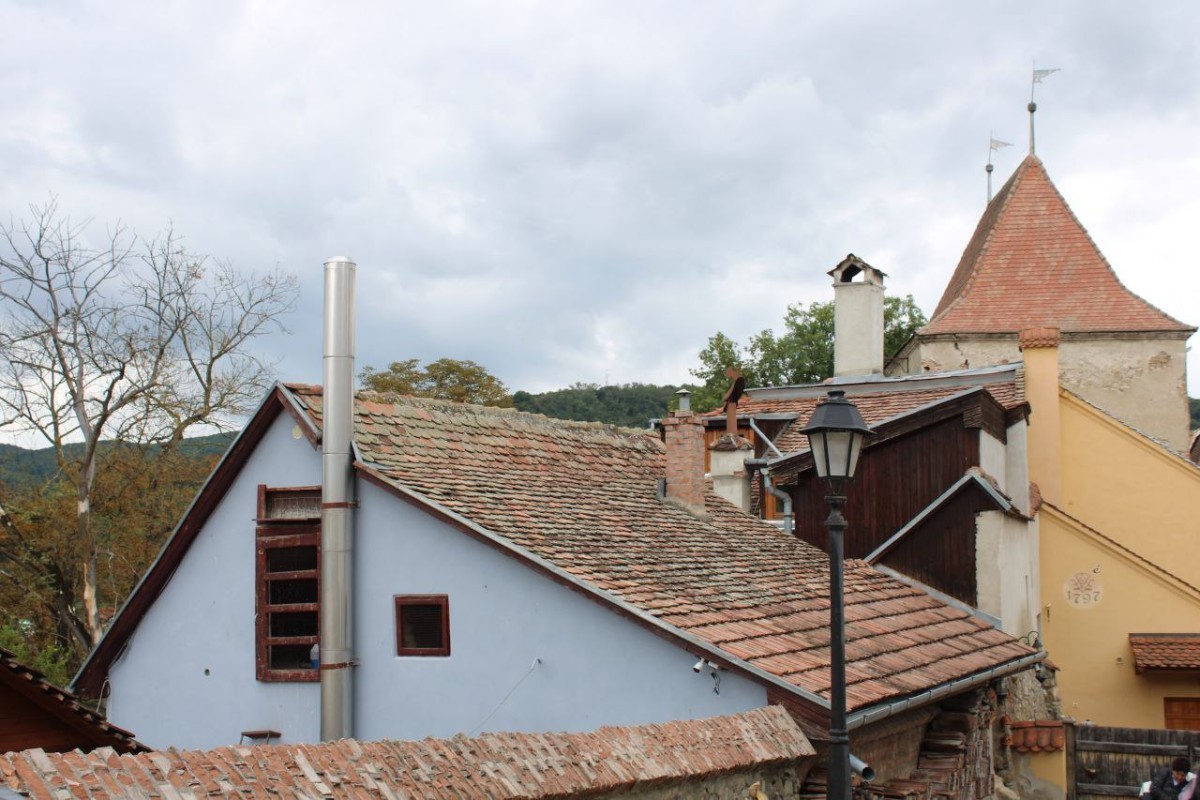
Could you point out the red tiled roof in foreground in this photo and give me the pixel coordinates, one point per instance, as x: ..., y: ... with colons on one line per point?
x: 1030, y: 262
x: 1165, y: 651
x: 583, y: 497
x: 496, y: 765
x: 25, y: 692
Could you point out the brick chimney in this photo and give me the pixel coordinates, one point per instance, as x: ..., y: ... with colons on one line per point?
x: 683, y: 436
x: 857, y: 318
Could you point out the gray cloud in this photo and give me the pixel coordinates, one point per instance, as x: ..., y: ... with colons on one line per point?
x: 582, y: 191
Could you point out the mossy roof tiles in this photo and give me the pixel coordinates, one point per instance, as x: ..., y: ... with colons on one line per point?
x: 583, y: 497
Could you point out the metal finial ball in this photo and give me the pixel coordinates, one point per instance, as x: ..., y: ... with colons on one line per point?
x: 1032, y: 107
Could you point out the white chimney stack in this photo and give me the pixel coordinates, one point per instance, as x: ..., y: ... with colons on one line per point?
x: 857, y: 318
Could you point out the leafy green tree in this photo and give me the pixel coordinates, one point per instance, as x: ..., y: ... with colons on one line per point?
x: 801, y: 353
x: 444, y: 379
x: 138, y: 497
x: 52, y: 661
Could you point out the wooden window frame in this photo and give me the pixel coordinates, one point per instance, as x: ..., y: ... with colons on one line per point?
x: 402, y: 600
x: 271, y: 534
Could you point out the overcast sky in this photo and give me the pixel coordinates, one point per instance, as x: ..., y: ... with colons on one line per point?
x: 569, y: 191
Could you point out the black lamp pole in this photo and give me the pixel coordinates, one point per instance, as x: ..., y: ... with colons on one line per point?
x: 835, y: 433
x: 839, y: 737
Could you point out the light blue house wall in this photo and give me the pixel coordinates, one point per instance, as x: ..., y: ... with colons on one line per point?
x: 187, y: 676
x: 596, y: 667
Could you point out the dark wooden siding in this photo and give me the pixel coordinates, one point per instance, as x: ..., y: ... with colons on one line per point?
x: 896, y: 479
x: 24, y: 725
x: 940, y: 551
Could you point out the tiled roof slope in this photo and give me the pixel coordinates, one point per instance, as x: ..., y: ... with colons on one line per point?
x: 85, y: 724
x: 1165, y: 650
x: 583, y: 496
x: 878, y: 401
x: 1030, y: 262
x: 497, y: 765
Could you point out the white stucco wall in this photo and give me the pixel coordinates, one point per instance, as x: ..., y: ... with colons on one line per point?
x: 1140, y: 379
x: 596, y: 667
x: 1005, y: 576
x: 1006, y: 561
x: 993, y: 459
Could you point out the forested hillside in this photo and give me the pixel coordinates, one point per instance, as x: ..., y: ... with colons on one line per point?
x: 19, y: 466
x: 632, y: 405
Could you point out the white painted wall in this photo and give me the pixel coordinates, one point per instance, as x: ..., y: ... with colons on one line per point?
x: 1006, y: 559
x: 596, y: 667
x: 993, y: 458
x: 1140, y: 379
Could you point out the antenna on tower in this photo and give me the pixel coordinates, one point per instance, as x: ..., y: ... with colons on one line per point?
x: 994, y: 145
x: 1039, y: 75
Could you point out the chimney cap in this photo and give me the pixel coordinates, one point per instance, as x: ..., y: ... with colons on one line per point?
x: 685, y: 400
x: 849, y: 268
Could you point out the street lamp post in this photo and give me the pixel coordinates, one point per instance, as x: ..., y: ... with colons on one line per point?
x: 835, y: 434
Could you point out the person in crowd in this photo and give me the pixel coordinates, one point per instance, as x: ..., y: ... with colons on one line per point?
x: 1169, y: 784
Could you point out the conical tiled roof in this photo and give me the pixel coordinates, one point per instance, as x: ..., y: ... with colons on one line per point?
x: 1031, y: 263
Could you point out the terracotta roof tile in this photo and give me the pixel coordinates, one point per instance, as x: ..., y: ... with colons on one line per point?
x: 583, y: 496
x: 497, y: 765
x: 1030, y: 263
x: 1165, y: 651
x: 1040, y: 736
x: 877, y: 402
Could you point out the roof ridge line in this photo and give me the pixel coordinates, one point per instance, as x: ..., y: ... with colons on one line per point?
x: 479, y: 409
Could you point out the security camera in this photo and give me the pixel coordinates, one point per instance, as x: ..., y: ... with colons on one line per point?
x: 699, y: 665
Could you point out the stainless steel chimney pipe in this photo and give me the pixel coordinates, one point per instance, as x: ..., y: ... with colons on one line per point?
x: 337, y: 504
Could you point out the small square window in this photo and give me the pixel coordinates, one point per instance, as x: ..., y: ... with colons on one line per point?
x: 422, y: 625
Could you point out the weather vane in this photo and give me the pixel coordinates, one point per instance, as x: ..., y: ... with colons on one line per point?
x: 1039, y: 75
x: 993, y: 146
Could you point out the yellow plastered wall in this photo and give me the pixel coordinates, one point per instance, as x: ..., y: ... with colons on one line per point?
x: 1119, y: 550
x: 1045, y: 773
x: 1130, y: 488
x: 1095, y: 593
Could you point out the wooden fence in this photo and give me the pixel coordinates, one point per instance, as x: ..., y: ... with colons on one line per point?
x: 1113, y: 762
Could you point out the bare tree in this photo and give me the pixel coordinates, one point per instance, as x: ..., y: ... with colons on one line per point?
x: 135, y: 340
